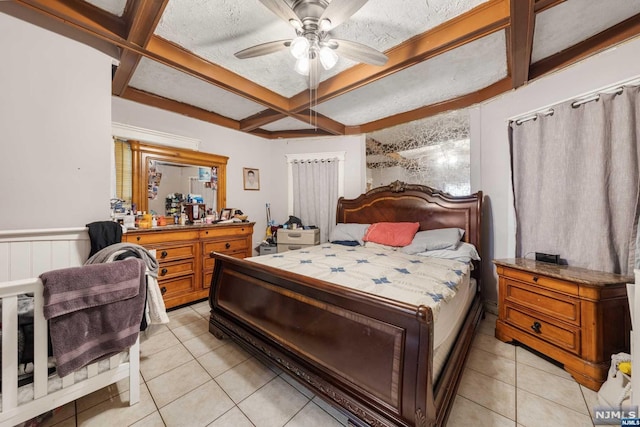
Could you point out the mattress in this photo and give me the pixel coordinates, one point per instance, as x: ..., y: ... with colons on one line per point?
x: 449, y: 323
x: 411, y: 279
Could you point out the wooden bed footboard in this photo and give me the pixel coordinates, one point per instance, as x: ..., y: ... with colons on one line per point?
x: 368, y: 356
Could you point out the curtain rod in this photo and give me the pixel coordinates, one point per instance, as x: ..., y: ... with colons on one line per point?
x: 576, y: 100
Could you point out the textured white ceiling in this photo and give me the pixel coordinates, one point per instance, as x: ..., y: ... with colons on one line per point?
x: 217, y: 29
x: 288, y: 123
x: 466, y: 69
x: 576, y: 20
x: 114, y: 7
x: 150, y: 76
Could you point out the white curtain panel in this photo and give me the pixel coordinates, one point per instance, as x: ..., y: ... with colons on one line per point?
x: 315, y: 193
x: 575, y: 182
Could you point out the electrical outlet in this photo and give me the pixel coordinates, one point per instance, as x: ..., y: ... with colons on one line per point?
x: 553, y: 259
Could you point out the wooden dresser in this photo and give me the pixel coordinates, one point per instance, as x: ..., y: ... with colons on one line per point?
x: 184, y: 255
x: 575, y: 316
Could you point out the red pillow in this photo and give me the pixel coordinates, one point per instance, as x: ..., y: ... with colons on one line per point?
x: 392, y: 233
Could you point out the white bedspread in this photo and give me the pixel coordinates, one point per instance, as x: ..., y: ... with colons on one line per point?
x: 411, y: 279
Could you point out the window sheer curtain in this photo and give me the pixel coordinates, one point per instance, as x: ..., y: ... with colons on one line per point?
x: 315, y: 193
x: 575, y: 182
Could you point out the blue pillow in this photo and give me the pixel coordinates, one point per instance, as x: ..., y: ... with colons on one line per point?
x: 346, y: 242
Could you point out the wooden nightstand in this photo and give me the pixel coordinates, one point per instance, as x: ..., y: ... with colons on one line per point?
x: 575, y: 316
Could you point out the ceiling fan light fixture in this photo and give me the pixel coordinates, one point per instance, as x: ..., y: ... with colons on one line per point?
x: 295, y: 24
x: 328, y: 57
x: 302, y: 66
x: 325, y: 25
x: 300, y: 47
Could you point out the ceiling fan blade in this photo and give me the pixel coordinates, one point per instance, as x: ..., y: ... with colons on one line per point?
x: 358, y: 52
x: 263, y: 49
x: 314, y: 73
x: 281, y: 9
x: 339, y: 11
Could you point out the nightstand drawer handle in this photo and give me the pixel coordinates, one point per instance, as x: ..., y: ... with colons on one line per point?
x: 535, y: 278
x: 536, y: 327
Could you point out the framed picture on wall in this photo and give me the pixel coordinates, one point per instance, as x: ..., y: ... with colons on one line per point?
x: 251, y: 178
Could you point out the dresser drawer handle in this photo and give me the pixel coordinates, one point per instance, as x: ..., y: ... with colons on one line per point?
x: 227, y: 245
x: 536, y: 327
x: 535, y: 278
x: 164, y: 271
x: 164, y: 254
x: 138, y: 238
x: 163, y: 290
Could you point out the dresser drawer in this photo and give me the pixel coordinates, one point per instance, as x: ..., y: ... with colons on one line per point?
x: 227, y: 232
x: 298, y: 237
x: 175, y: 287
x: 176, y: 252
x: 175, y: 269
x: 224, y: 246
x: 540, y: 280
x: 562, y: 336
x: 151, y: 237
x: 208, y: 262
x: 554, y: 304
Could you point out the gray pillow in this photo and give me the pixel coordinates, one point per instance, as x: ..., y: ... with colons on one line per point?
x: 429, y: 240
x: 348, y: 232
x: 464, y: 253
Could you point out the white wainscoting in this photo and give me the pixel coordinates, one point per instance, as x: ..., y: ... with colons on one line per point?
x: 28, y: 253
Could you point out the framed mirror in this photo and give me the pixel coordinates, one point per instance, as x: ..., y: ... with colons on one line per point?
x: 160, y: 174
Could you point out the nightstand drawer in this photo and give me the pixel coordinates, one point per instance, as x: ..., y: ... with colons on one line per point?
x: 553, y: 304
x: 298, y: 237
x: 540, y: 280
x: 567, y: 337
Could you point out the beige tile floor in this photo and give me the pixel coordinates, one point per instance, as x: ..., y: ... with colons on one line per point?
x: 189, y: 378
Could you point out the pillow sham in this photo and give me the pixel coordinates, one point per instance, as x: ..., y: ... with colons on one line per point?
x: 348, y: 232
x: 465, y: 252
x: 429, y: 240
x: 392, y: 233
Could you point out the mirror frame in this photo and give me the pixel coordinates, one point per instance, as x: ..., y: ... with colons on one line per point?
x: 142, y: 153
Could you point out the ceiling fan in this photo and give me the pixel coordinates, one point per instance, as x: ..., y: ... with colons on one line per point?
x: 313, y: 45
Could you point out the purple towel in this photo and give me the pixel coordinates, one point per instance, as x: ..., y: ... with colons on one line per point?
x: 93, y: 311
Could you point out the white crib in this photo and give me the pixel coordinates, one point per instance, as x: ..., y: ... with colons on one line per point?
x: 29, y: 253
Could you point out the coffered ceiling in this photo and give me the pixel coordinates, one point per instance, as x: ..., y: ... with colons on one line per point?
x: 178, y: 55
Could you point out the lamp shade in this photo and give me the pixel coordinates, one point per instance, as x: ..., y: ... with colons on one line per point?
x: 302, y: 66
x: 300, y: 47
x: 328, y: 58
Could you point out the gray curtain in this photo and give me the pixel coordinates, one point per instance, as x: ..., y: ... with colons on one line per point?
x: 315, y: 193
x: 575, y: 182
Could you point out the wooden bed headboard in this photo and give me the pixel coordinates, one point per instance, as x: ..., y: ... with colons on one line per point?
x: 400, y: 202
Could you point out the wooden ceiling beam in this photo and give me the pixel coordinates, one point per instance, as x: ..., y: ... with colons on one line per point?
x: 319, y: 121
x: 460, y: 102
x: 483, y: 20
x: 520, y: 40
x: 302, y: 133
x: 141, y: 20
x: 625, y: 30
x: 262, y: 118
x: 542, y: 5
x: 179, y: 107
